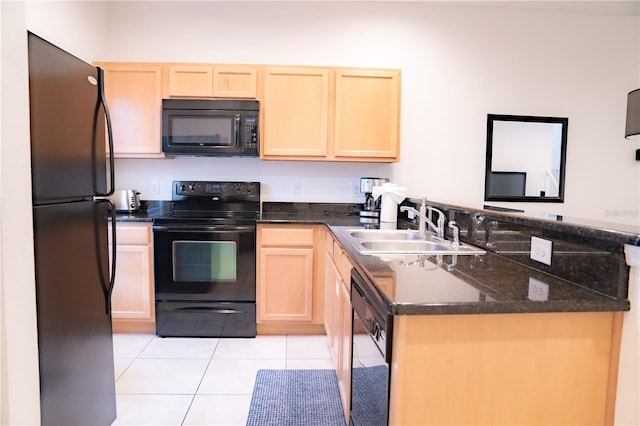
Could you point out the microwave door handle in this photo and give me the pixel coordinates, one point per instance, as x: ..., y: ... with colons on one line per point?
x: 236, y: 130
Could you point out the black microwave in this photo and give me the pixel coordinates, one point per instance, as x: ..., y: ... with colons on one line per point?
x: 213, y: 127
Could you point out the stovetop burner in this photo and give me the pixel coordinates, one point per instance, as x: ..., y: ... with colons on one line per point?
x: 214, y: 201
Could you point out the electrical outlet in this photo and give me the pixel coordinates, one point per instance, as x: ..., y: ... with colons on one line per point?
x: 297, y: 189
x: 541, y: 250
x: 155, y: 186
x: 538, y: 290
x: 355, y: 189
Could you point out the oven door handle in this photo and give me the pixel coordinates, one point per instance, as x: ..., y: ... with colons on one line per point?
x: 225, y: 311
x: 200, y: 229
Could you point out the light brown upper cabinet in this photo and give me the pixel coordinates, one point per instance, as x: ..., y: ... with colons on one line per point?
x: 296, y: 112
x: 331, y: 114
x: 307, y: 113
x: 134, y: 97
x: 235, y: 82
x: 206, y: 81
x: 367, y: 114
x: 190, y: 80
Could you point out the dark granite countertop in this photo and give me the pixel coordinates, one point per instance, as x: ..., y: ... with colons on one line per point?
x: 470, y: 284
x: 310, y: 213
x: 428, y: 285
x: 149, y: 211
x: 432, y: 285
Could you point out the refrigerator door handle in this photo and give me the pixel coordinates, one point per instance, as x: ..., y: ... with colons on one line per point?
x: 102, y: 99
x: 112, y: 278
x: 108, y: 289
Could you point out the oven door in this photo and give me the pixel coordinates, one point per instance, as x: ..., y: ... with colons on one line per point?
x: 205, y: 263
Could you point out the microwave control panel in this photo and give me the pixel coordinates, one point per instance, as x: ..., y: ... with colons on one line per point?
x: 251, y: 132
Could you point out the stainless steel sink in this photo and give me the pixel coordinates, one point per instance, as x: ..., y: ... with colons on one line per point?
x: 387, y: 242
x: 376, y: 235
x: 415, y: 247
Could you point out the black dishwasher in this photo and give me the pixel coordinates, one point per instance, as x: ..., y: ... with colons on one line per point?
x: 370, y: 355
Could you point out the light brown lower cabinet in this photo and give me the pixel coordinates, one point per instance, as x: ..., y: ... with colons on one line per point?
x: 290, y: 279
x: 132, y: 300
x: 505, y: 369
x: 338, y: 317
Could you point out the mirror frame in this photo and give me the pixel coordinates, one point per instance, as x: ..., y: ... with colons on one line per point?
x: 491, y: 118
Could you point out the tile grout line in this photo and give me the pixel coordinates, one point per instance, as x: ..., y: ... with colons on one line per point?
x: 186, y: 414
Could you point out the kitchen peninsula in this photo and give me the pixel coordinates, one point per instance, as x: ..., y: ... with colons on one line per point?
x: 494, y: 338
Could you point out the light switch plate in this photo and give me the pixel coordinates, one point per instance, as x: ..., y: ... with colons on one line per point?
x: 541, y: 250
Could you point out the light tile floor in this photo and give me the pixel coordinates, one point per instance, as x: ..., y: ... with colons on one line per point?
x: 198, y: 381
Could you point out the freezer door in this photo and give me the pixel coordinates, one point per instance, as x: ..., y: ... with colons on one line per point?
x: 68, y: 155
x: 74, y: 329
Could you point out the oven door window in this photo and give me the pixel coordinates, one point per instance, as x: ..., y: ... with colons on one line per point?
x: 202, y: 130
x: 204, y: 261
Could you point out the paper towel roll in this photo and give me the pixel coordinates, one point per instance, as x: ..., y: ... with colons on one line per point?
x: 388, y: 209
x: 391, y: 195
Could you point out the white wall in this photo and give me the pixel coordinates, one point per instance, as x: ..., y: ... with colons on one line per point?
x: 459, y: 62
x: 19, y: 381
x: 79, y: 27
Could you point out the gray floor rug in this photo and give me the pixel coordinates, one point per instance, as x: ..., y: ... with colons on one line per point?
x: 296, y: 398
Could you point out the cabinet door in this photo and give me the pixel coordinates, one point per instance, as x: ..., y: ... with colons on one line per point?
x: 131, y: 298
x: 285, y: 292
x: 344, y: 375
x: 333, y: 314
x: 235, y: 82
x: 329, y: 289
x: 367, y: 114
x: 134, y: 97
x: 191, y: 80
x: 296, y: 108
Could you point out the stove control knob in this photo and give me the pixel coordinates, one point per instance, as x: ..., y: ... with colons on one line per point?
x: 183, y: 188
x: 192, y: 187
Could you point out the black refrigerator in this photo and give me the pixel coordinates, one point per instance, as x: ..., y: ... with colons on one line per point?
x: 74, y: 276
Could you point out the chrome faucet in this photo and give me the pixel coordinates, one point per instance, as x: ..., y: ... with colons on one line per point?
x: 426, y: 221
x: 456, y: 233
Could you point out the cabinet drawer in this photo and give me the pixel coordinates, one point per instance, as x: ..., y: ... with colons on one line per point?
x: 288, y: 237
x: 132, y: 234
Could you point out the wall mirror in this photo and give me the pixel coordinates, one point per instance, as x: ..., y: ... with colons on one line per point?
x: 525, y: 158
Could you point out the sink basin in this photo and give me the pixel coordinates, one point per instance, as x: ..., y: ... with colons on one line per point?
x: 415, y: 247
x: 402, y: 242
x: 384, y: 235
x: 402, y: 246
